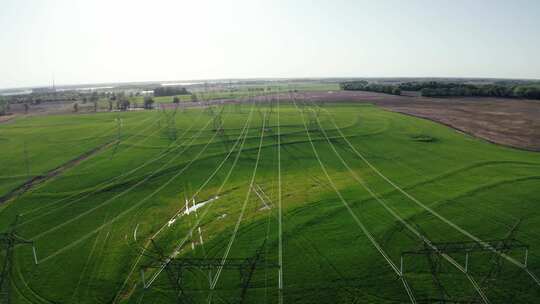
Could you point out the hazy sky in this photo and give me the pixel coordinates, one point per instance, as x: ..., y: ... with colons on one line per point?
x: 104, y: 41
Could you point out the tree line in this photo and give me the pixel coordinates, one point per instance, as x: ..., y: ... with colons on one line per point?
x: 363, y: 85
x: 170, y: 91
x: 529, y: 90
x: 442, y: 89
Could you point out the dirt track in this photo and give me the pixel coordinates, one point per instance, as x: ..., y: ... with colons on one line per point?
x: 39, y: 179
x: 509, y: 122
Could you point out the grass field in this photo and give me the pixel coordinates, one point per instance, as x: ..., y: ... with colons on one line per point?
x: 327, y: 198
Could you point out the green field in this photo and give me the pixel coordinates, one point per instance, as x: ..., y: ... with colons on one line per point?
x: 331, y: 196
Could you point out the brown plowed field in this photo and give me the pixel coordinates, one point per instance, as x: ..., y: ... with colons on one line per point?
x: 509, y: 122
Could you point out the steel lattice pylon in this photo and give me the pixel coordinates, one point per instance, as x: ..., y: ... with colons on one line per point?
x: 8, y: 241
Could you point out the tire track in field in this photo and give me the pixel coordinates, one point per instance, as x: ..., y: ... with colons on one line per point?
x: 440, y: 217
x: 200, y: 218
x: 240, y: 217
x: 108, y: 201
x: 86, y: 264
x: 280, y: 212
x: 365, y: 231
x: 44, y: 177
x: 35, y: 183
x: 423, y: 238
x: 242, y: 136
x: 97, y: 188
x: 50, y: 204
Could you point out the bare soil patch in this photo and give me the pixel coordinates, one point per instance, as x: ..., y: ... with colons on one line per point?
x: 6, y: 118
x: 509, y: 122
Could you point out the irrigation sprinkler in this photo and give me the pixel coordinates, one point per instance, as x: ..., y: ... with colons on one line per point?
x: 9, y: 240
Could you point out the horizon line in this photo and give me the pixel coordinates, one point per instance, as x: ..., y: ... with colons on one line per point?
x: 260, y: 78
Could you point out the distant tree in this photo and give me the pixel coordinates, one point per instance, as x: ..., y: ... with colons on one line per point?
x: 372, y: 87
x: 4, y: 106
x: 194, y: 98
x: 94, y: 96
x: 75, y: 107
x: 170, y: 91
x: 110, y: 105
x: 176, y: 99
x: 122, y: 103
x: 95, y: 105
x: 26, y: 108
x: 148, y: 102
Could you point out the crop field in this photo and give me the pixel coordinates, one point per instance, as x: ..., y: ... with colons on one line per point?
x: 283, y: 201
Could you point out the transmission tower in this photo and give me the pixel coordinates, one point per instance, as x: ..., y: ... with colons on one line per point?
x: 9, y: 240
x: 170, y: 122
x: 219, y: 129
x: 177, y: 269
x: 313, y: 122
x: 119, y: 125
x: 466, y: 249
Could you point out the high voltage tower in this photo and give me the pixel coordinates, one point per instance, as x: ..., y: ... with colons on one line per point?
x: 272, y: 106
x: 217, y: 122
x: 170, y: 122
x: 265, y: 118
x: 313, y: 116
x: 266, y: 114
x: 467, y: 250
x: 119, y: 125
x: 313, y: 110
x: 313, y: 124
x: 9, y: 240
x: 177, y: 270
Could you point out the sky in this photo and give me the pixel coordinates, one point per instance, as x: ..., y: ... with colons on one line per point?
x: 98, y: 41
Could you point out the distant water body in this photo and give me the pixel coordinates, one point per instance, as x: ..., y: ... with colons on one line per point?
x: 179, y: 83
x: 16, y: 93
